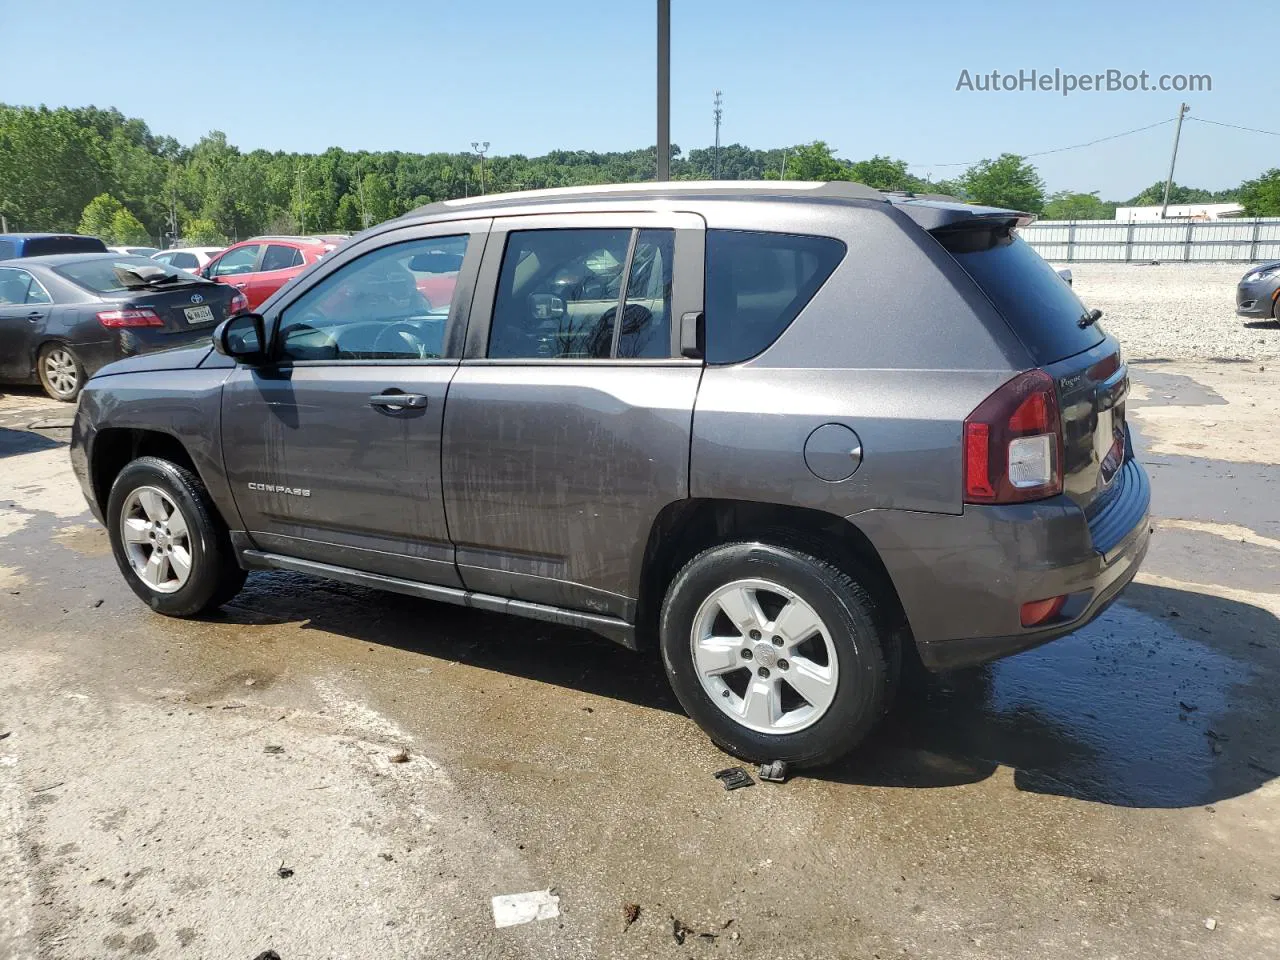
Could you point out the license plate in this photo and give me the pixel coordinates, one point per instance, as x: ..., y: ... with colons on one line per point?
x: 199, y: 314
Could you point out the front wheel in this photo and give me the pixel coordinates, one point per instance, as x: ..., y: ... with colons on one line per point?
x: 61, y: 372
x: 776, y: 654
x: 168, y: 541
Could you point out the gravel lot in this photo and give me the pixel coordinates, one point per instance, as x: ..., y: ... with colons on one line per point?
x: 1175, y: 311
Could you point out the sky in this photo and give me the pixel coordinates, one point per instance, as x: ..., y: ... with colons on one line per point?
x: 534, y: 75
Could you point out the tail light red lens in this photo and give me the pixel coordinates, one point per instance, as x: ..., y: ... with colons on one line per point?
x: 1042, y: 611
x: 1013, y: 443
x: 139, y: 317
x: 239, y: 304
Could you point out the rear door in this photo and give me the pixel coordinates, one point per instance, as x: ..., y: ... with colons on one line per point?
x: 333, y: 450
x: 281, y: 262
x: 24, y: 311
x: 1054, y: 324
x: 567, y: 430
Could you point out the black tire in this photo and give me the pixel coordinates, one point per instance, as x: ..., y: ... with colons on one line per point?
x: 864, y: 646
x: 54, y: 384
x: 215, y: 576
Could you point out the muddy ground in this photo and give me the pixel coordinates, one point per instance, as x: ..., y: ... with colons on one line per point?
x: 215, y: 789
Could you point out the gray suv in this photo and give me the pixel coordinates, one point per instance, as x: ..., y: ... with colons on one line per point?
x: 791, y: 435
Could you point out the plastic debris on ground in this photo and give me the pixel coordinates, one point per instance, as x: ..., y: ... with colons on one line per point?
x: 513, y: 909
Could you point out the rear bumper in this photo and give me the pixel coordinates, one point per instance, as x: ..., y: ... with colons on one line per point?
x: 963, y: 579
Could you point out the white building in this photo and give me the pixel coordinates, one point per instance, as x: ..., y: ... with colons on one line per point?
x: 1180, y: 211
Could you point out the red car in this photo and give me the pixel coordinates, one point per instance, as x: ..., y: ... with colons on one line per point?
x: 260, y: 266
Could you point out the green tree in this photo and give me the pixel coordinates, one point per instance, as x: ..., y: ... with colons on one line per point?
x: 201, y: 232
x: 1065, y: 205
x: 127, y: 230
x: 815, y: 161
x: 1261, y: 196
x: 99, y: 215
x: 1007, y: 181
x: 886, y: 173
x: 1153, y: 196
x: 51, y: 166
x: 378, y: 199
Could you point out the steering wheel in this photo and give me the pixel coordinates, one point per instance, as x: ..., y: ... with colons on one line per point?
x: 409, y: 335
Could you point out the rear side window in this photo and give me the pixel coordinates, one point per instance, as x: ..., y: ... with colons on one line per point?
x: 757, y: 283
x: 41, y: 246
x: 280, y: 257
x: 187, y: 261
x: 8, y: 249
x: 1038, y: 304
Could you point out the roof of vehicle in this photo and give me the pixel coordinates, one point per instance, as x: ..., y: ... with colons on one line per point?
x: 308, y: 240
x: 929, y: 210
x: 38, y: 236
x: 62, y: 259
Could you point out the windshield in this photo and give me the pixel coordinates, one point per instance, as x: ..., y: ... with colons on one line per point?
x: 112, y: 274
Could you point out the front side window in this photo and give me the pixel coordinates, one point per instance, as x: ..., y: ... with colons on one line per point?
x: 382, y: 306
x: 280, y: 257
x: 238, y: 261
x: 757, y: 283
x: 559, y: 292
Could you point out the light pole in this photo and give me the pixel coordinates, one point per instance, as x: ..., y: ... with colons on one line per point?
x: 664, y: 90
x: 481, y: 147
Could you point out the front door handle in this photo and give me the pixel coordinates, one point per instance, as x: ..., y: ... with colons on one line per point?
x: 35, y: 316
x: 398, y: 401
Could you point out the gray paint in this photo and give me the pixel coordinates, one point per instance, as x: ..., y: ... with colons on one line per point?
x: 532, y: 485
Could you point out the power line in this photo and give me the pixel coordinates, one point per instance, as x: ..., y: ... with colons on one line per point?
x: 1074, y: 146
x: 1235, y: 126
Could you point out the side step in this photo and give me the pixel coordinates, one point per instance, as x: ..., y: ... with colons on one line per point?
x: 611, y: 628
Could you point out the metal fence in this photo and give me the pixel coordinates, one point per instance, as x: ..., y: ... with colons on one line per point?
x: 1077, y: 240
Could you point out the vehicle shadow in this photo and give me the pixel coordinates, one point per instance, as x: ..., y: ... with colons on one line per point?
x: 14, y: 442
x: 1167, y: 700
x: 1262, y: 324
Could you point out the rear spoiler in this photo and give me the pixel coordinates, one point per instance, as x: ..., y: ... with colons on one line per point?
x: 950, y: 214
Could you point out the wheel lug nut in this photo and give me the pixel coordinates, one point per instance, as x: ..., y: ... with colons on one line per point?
x: 763, y: 672
x: 776, y: 641
x: 755, y: 634
x: 746, y: 654
x: 783, y: 665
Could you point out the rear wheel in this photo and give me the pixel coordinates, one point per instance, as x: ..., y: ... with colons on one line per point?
x: 168, y: 541
x: 61, y: 372
x: 777, y: 654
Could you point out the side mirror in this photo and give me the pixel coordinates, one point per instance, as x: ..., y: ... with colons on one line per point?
x: 1065, y: 274
x: 242, y: 338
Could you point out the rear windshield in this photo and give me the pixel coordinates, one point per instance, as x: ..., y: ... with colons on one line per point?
x: 1038, y: 304
x: 109, y: 274
x: 42, y: 246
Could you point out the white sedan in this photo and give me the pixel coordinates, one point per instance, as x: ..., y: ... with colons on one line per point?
x: 191, y: 259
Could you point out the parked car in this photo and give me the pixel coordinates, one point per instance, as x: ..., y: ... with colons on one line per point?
x: 14, y: 245
x: 135, y: 251
x: 64, y: 316
x: 261, y: 266
x: 191, y: 259
x: 1258, y: 293
x: 697, y: 418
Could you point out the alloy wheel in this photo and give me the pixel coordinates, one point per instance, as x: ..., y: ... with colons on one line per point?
x: 61, y: 371
x: 157, y: 539
x: 764, y: 656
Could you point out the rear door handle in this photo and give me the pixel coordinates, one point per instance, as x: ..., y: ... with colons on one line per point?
x: 398, y: 401
x: 35, y: 315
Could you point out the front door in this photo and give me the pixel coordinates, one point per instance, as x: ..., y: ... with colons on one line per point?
x: 333, y: 449
x: 24, y: 313
x: 568, y: 424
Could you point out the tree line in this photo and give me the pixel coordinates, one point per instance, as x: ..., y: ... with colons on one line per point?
x: 97, y: 171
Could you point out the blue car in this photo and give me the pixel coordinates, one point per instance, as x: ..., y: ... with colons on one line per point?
x: 14, y: 245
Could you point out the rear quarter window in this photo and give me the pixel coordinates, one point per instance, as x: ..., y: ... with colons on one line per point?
x: 1039, y: 305
x: 757, y: 284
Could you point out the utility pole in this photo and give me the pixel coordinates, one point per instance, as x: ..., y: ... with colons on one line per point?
x: 481, y: 147
x: 4, y: 224
x: 302, y: 207
x: 784, y: 163
x: 719, y: 112
x: 1183, y: 110
x: 664, y: 91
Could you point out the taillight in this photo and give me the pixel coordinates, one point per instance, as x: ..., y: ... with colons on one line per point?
x: 1013, y: 443
x: 239, y: 303
x: 138, y: 317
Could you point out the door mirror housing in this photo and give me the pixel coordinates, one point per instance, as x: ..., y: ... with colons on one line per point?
x: 242, y: 338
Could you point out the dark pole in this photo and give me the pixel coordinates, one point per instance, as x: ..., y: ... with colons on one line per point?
x: 664, y: 90
x: 1183, y: 109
